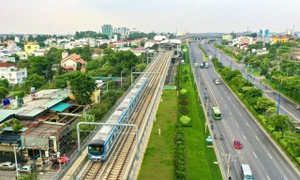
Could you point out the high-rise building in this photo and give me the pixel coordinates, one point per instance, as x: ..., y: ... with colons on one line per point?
x: 107, y: 29
x: 122, y: 30
x: 267, y: 33
x: 260, y: 32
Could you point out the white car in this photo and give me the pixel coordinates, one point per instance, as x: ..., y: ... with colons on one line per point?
x: 25, y: 169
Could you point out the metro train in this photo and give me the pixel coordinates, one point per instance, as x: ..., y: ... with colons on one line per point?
x: 100, y: 146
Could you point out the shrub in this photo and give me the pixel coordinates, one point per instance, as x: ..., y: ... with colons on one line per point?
x: 185, y: 119
x: 184, y: 103
x: 184, y: 110
x: 179, y: 155
x: 183, y: 91
x: 183, y: 96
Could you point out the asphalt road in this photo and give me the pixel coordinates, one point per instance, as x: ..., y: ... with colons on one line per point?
x: 265, y: 161
x: 287, y: 107
x: 7, y: 175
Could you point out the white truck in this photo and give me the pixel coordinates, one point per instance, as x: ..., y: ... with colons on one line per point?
x: 206, y: 65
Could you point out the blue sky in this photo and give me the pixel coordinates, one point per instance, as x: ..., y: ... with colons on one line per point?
x: 68, y: 16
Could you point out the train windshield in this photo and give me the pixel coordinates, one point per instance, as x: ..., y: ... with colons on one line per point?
x: 96, y: 149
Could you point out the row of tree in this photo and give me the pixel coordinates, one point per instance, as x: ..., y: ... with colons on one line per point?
x: 89, y: 34
x: 280, y: 126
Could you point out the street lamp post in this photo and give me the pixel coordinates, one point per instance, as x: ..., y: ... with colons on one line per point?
x: 16, y: 161
x: 280, y: 90
x: 279, y: 97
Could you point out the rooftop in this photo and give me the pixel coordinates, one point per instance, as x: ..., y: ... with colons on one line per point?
x: 37, y: 104
x: 44, y: 129
x: 9, y: 137
x: 6, y: 64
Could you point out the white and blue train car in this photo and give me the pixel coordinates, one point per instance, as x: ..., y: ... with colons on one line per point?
x: 99, y: 147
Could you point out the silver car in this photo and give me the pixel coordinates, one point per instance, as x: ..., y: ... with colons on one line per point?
x: 8, y: 166
x: 25, y: 169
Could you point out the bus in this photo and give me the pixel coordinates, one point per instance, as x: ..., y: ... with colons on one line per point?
x: 216, y: 113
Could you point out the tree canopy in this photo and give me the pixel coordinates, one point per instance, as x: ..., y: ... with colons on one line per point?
x: 82, y: 87
x: 89, y: 34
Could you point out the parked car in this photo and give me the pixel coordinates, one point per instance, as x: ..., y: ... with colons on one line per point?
x: 8, y: 166
x: 237, y: 144
x: 25, y: 169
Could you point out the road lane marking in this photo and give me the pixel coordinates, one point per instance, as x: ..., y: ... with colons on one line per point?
x: 256, y: 137
x: 221, y: 98
x: 270, y: 156
x: 218, y: 92
x: 239, y: 152
x: 244, y: 136
x: 235, y: 106
x: 242, y: 158
x: 285, y: 178
x: 230, y: 113
x: 225, y: 93
x: 254, y: 154
x: 247, y: 124
x: 240, y: 114
x: 229, y: 98
x: 268, y: 177
x: 226, y: 105
x: 290, y: 106
x: 236, y: 124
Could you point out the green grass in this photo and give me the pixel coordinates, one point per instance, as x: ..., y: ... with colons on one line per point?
x: 158, y: 160
x: 255, y: 71
x: 199, y: 158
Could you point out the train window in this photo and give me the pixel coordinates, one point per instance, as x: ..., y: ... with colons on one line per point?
x: 96, y: 149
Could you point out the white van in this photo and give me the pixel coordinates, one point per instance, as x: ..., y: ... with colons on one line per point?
x: 246, y: 172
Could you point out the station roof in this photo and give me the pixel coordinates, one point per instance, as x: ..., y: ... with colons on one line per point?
x: 60, y: 107
x: 172, y: 41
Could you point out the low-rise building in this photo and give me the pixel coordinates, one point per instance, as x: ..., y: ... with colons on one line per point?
x: 39, y: 52
x: 138, y: 51
x: 160, y: 38
x: 72, y: 62
x: 227, y: 37
x: 280, y: 39
x: 43, y: 132
x: 22, y: 55
x: 30, y: 47
x: 12, y: 73
x: 245, y: 40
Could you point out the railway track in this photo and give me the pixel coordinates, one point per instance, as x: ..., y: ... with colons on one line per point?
x: 122, y: 154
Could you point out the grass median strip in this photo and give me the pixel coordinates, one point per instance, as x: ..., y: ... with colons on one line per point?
x: 199, y: 158
x: 158, y: 160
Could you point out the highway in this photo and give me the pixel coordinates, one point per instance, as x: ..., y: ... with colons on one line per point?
x: 287, y: 107
x: 258, y: 151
